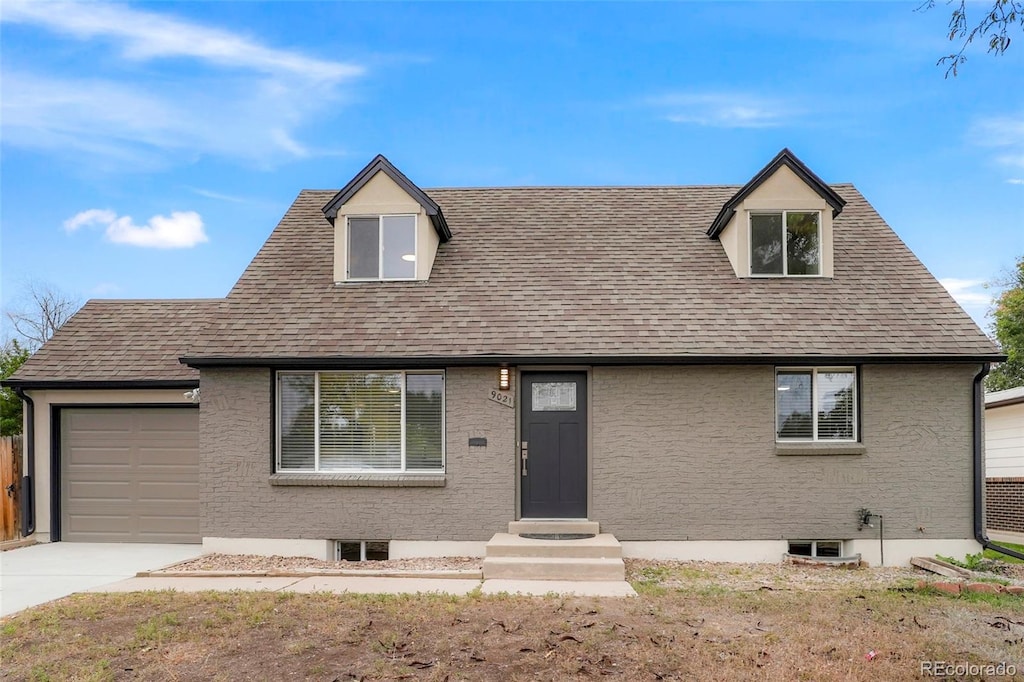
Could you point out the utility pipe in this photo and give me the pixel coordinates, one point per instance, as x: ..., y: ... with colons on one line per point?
x: 979, y: 469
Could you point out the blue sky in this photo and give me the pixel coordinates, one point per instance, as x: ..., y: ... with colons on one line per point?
x: 148, y: 149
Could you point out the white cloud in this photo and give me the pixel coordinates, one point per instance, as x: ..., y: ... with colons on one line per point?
x: 94, y: 216
x: 210, y: 194
x: 180, y: 230
x: 149, y: 35
x: 104, y: 289
x: 972, y: 296
x: 1005, y: 134
x: 241, y: 99
x: 966, y: 290
x: 722, y: 110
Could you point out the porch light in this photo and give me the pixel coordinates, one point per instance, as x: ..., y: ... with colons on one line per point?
x: 503, y: 379
x: 409, y: 257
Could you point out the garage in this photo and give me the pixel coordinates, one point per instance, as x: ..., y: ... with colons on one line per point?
x: 129, y: 474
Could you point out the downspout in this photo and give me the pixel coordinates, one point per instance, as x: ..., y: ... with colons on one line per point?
x: 979, y: 473
x: 28, y: 507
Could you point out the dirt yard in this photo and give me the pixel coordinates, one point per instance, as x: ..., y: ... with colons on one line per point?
x: 839, y: 625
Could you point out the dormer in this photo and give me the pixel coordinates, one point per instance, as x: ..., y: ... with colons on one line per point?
x: 780, y: 223
x: 385, y: 227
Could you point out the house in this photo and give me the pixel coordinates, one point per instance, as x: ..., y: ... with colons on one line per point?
x: 708, y: 372
x: 1004, y: 463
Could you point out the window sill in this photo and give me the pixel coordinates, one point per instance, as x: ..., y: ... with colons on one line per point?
x: 361, y: 480
x: 820, y: 449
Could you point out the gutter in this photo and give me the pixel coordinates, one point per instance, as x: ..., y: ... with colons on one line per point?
x: 440, y: 362
x: 979, y: 470
x: 28, y: 507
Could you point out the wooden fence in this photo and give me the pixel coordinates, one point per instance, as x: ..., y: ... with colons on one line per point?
x: 10, y: 483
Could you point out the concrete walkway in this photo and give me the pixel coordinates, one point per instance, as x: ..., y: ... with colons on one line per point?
x: 40, y: 573
x: 316, y: 583
x: 372, y: 585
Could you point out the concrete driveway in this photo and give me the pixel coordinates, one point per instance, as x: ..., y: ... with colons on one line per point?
x: 40, y: 573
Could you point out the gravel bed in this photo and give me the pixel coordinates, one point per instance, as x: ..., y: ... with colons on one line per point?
x: 250, y: 563
x: 707, y: 575
x: 691, y: 575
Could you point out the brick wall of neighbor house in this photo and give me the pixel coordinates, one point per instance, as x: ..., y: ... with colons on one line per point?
x: 1004, y: 504
x: 687, y: 453
x: 235, y: 466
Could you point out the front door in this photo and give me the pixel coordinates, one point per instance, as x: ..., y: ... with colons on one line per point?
x: 553, y: 451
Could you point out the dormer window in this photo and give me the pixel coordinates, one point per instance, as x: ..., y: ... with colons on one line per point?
x: 381, y: 247
x: 780, y: 224
x: 785, y: 243
x: 385, y: 227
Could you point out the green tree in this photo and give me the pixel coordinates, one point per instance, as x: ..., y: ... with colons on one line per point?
x: 1009, y: 329
x: 12, y: 357
x: 995, y: 25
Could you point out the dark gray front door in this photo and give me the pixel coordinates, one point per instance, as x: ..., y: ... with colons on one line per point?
x: 553, y: 468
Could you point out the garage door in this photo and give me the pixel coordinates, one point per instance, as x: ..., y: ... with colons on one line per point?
x: 130, y: 475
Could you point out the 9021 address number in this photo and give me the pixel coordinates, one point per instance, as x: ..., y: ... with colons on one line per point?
x: 502, y: 398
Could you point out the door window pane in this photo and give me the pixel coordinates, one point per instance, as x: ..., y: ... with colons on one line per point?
x: 766, y: 244
x: 363, y: 248
x: 554, y: 396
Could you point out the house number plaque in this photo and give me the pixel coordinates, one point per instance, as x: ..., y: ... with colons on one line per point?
x: 502, y: 398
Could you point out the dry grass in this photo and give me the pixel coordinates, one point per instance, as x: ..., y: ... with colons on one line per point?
x: 669, y: 632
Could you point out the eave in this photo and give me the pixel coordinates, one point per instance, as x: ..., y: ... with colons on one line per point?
x: 783, y: 158
x: 381, y: 165
x: 437, y: 361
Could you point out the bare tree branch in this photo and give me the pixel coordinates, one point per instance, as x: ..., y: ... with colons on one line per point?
x: 43, y: 311
x: 994, y: 26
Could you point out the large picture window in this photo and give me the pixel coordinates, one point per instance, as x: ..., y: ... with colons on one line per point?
x: 360, y: 422
x: 382, y: 247
x: 816, y: 404
x: 786, y: 243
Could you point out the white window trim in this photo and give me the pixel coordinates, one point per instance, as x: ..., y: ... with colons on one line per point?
x: 380, y: 247
x: 814, y: 405
x: 278, y: 468
x: 785, y: 251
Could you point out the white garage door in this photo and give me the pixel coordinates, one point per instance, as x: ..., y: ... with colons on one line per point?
x: 130, y: 474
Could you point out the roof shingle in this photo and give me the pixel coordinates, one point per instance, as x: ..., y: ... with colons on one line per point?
x: 121, y: 341
x: 536, y: 272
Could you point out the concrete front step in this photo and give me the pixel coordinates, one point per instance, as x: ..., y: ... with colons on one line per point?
x: 552, y: 568
x: 554, y: 526
x: 602, y: 546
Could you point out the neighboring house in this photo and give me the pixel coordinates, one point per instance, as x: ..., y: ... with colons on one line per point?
x: 707, y: 371
x: 1004, y: 460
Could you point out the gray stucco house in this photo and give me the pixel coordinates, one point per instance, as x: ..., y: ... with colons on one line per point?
x: 715, y: 372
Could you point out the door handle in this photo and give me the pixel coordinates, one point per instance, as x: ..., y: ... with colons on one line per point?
x: 524, y: 454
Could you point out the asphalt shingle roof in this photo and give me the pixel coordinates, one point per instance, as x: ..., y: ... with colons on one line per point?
x: 538, y: 272
x: 121, y: 341
x: 587, y: 272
